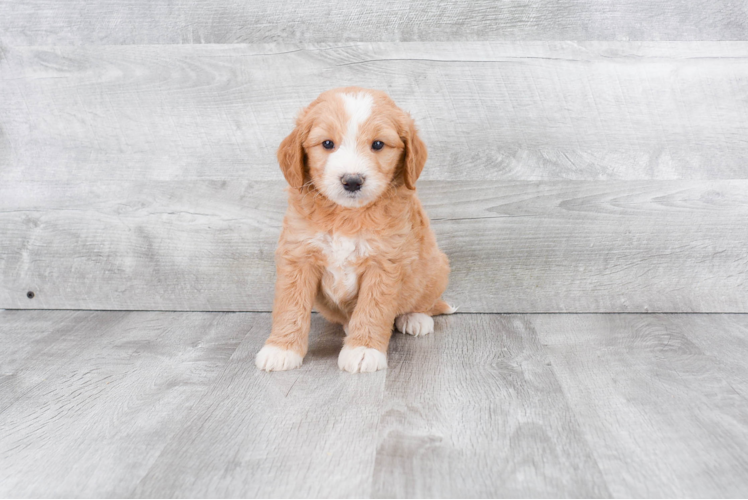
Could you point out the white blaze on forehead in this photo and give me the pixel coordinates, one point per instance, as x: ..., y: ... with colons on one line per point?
x: 358, y: 107
x: 347, y: 159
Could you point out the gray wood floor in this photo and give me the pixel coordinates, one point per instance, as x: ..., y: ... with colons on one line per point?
x: 170, y: 404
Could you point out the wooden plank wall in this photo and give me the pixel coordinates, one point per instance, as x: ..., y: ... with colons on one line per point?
x: 515, y: 246
x: 119, y: 22
x: 607, y: 174
x: 487, y: 110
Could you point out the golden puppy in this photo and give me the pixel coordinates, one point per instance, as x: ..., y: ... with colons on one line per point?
x: 356, y: 242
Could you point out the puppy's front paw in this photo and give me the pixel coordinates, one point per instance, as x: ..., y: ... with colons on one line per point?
x: 271, y: 358
x: 361, y: 359
x: 416, y: 324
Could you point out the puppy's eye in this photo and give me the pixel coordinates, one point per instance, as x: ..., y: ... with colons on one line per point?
x: 328, y: 144
x: 377, y: 145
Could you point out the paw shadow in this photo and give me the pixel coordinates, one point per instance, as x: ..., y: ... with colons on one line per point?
x: 325, y: 339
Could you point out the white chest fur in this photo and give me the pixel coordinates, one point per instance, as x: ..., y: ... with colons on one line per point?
x: 342, y: 253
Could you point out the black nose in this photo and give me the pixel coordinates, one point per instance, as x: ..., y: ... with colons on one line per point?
x: 352, y: 182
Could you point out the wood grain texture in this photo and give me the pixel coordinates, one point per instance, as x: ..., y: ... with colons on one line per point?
x: 35, y: 346
x: 662, y: 417
x: 158, y: 404
x: 475, y: 411
x: 487, y: 110
x: 103, y: 400
x: 667, y: 246
x: 163, y: 245
x: 114, y: 22
x: 309, y: 432
x: 726, y: 341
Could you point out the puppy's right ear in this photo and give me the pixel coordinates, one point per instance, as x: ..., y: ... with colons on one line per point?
x: 292, y: 159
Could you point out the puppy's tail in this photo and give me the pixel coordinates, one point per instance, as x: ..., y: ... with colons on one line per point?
x: 441, y: 307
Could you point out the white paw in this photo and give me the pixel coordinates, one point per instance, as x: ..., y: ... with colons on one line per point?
x: 271, y: 358
x: 416, y: 324
x: 361, y: 359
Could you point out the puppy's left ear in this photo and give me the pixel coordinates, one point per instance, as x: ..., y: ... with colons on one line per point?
x: 415, y: 154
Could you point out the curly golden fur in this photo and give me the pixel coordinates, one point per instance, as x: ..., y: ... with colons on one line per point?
x: 363, y: 257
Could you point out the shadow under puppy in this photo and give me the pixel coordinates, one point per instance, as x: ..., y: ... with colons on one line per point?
x: 356, y: 242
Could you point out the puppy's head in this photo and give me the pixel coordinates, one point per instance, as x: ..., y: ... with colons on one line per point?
x: 351, y: 145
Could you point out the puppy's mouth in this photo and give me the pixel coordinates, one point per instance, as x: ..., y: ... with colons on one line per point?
x: 352, y: 199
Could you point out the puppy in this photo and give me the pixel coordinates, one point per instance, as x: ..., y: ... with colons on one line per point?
x: 356, y: 242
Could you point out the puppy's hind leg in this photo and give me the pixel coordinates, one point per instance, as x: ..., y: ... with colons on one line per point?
x: 420, y: 324
x: 416, y: 324
x: 442, y: 307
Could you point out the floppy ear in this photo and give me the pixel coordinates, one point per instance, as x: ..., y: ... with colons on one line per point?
x: 415, y: 155
x: 292, y: 159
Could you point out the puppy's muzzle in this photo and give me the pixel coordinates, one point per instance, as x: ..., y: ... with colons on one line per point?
x: 352, y: 182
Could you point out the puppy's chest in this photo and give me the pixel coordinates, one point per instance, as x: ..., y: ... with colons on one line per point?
x: 342, y: 255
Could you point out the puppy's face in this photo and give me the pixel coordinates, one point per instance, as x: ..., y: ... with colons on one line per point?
x: 353, y: 148
x: 352, y: 144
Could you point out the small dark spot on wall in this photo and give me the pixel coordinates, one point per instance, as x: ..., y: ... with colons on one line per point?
x: 30, y: 294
